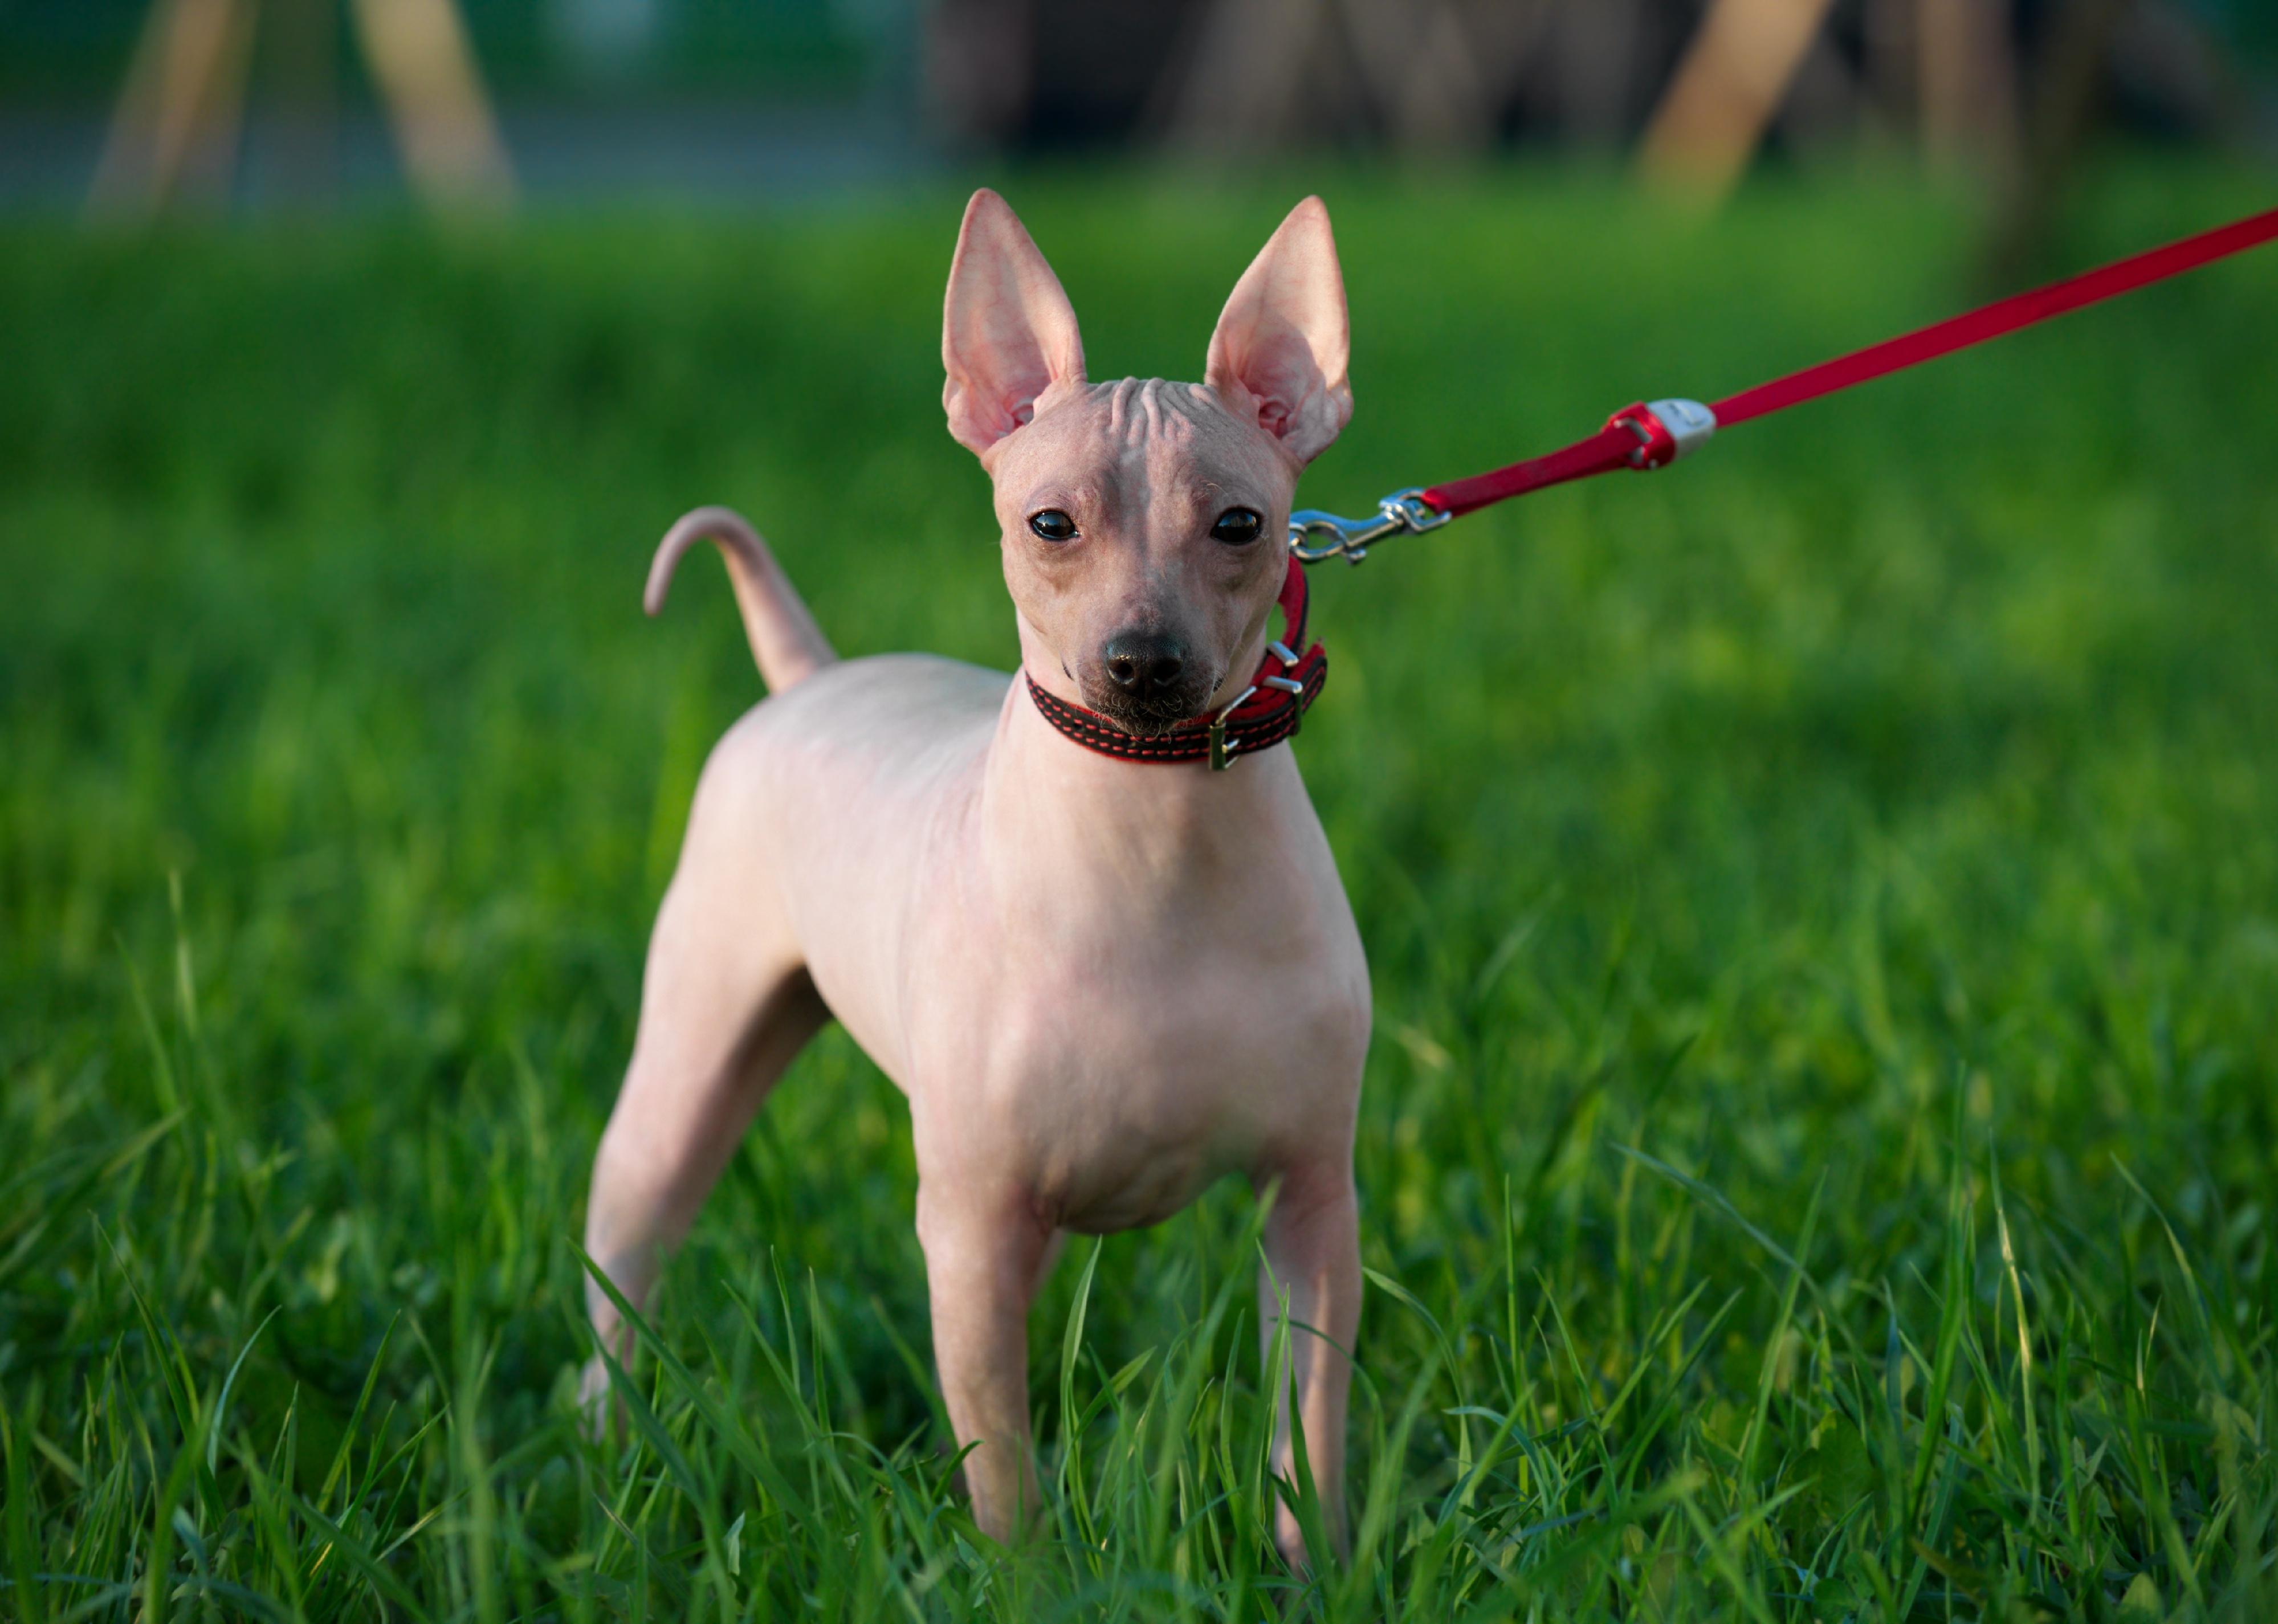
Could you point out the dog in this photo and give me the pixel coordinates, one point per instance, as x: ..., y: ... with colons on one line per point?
x: 1084, y: 917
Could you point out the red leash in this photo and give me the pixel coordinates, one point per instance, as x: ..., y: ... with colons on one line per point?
x: 1654, y: 436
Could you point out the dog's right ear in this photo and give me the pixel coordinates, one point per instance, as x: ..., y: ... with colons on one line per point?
x: 1007, y: 332
x: 1281, y: 351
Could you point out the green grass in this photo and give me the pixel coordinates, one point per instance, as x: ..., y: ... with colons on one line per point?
x: 1818, y: 1152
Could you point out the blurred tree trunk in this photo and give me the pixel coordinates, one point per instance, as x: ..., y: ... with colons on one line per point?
x: 1434, y: 75
x: 1825, y: 102
x: 1734, y: 78
x: 175, y: 130
x: 419, y: 52
x: 1595, y: 50
x: 179, y: 116
x: 979, y: 66
x: 1890, y: 57
x: 1968, y: 77
x: 1439, y: 72
x: 1246, y: 80
x: 2065, y: 94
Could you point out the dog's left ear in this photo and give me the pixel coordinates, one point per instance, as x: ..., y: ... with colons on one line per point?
x: 1282, y: 344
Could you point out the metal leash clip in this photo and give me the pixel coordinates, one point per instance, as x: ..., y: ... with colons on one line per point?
x: 1403, y: 513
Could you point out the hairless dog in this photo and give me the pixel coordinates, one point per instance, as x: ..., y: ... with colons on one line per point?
x: 1104, y: 973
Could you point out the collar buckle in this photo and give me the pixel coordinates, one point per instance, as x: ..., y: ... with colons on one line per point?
x: 1221, y: 756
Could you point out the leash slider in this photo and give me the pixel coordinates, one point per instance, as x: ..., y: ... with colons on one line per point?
x: 1664, y: 430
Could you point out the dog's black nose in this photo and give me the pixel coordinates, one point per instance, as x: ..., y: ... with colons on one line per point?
x: 1145, y: 664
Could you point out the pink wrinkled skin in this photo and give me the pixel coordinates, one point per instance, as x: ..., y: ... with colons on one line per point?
x: 1101, y: 984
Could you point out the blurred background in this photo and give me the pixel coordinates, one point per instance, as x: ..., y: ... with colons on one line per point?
x: 1901, y: 766
x: 260, y: 102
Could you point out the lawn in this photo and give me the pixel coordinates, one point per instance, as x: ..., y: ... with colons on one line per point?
x: 1819, y: 1148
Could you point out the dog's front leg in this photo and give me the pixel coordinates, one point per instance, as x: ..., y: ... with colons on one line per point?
x: 983, y: 1258
x: 1312, y: 1261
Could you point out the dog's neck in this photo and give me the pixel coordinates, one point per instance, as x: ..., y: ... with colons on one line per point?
x: 1123, y: 834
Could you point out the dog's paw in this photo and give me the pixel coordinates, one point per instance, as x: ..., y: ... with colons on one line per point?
x: 601, y: 1417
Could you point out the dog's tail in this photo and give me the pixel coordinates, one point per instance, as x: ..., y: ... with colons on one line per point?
x: 788, y: 645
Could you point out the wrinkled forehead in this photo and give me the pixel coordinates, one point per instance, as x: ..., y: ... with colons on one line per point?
x: 1138, y: 439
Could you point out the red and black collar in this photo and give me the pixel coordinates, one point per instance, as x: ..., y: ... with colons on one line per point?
x: 1263, y: 714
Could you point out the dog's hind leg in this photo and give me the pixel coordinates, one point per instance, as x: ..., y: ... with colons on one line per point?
x: 726, y: 1003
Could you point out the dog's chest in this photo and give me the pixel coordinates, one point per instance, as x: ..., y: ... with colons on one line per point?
x: 1117, y: 1074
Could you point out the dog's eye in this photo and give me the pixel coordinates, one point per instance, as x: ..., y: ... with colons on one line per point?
x: 1237, y: 525
x: 1052, y: 525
